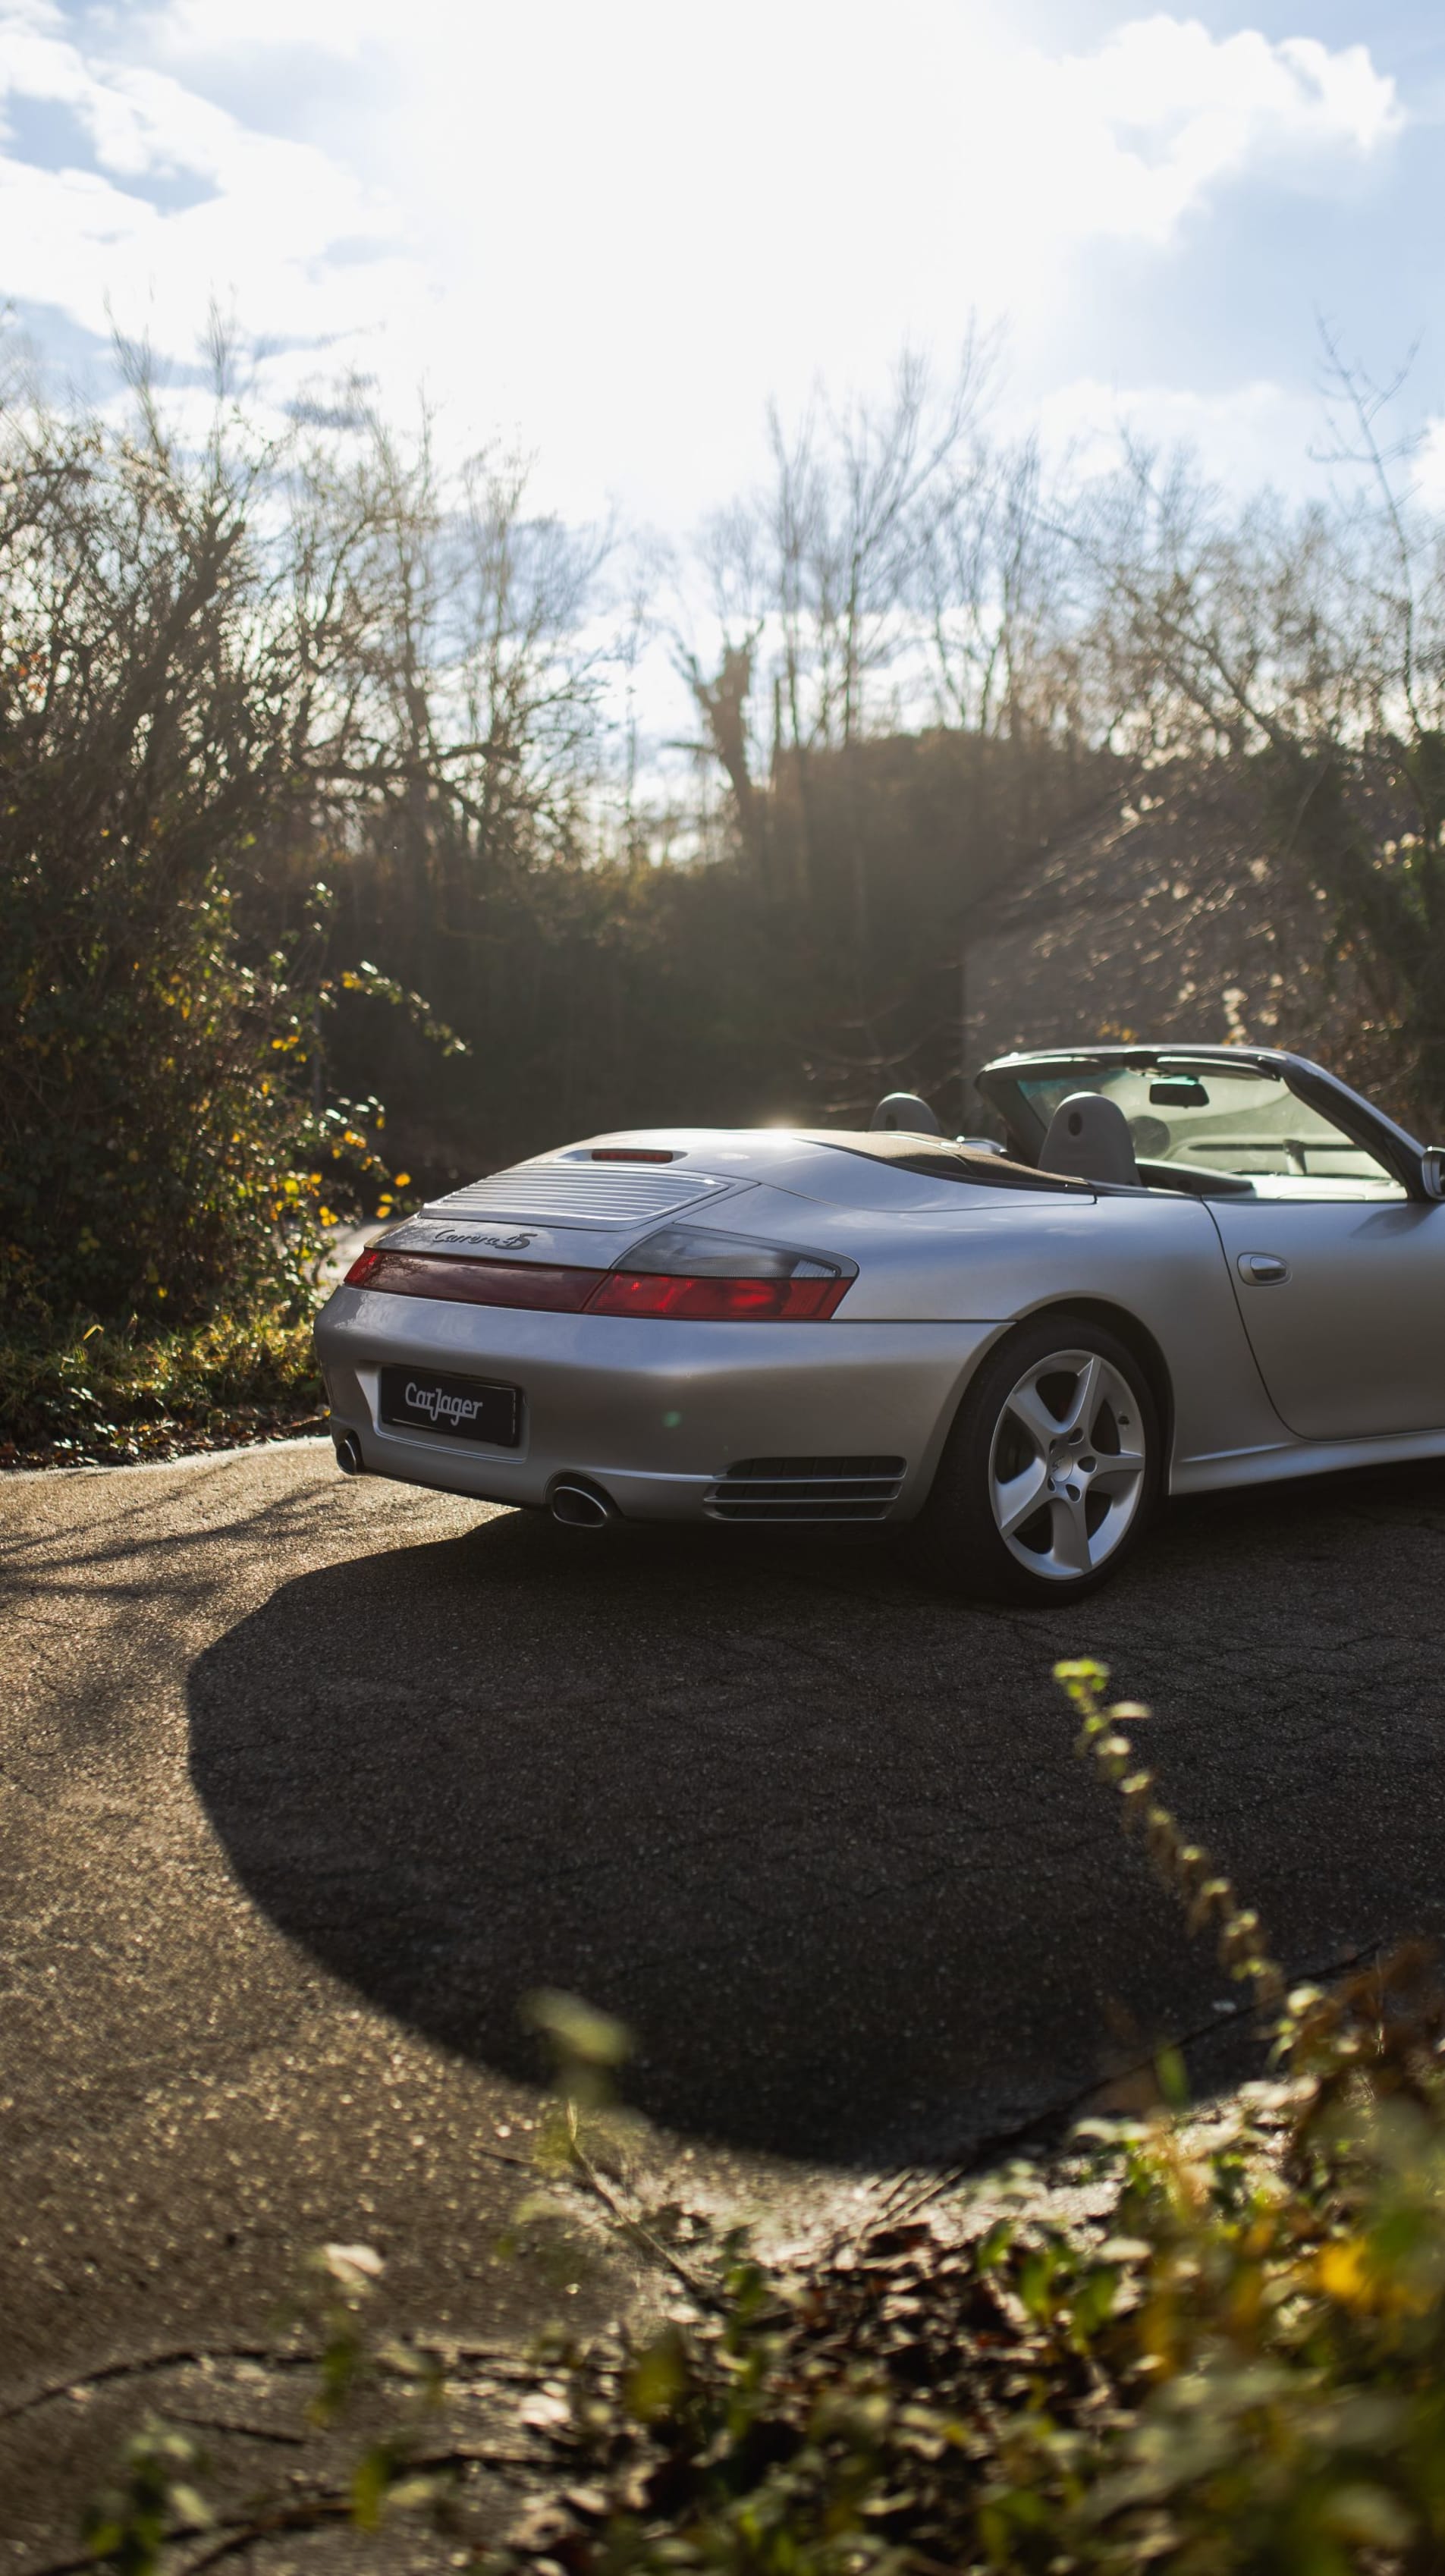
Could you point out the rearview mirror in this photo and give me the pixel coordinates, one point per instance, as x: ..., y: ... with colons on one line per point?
x: 1432, y: 1171
x: 1178, y: 1091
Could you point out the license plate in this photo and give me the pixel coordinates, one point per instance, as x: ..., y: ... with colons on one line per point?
x: 465, y: 1408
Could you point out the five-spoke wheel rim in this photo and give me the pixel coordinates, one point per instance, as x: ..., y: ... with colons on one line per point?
x: 1067, y: 1465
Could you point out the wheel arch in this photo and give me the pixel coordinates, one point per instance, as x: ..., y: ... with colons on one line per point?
x: 951, y: 1503
x: 1116, y: 1319
x: 1136, y: 1337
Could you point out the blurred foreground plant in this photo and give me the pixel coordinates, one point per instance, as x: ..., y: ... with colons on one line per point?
x: 1229, y: 2354
x: 161, y: 2507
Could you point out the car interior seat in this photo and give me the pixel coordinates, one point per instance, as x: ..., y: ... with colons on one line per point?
x: 1088, y: 1139
x: 903, y: 1113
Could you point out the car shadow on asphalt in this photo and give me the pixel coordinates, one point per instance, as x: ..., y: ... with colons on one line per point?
x: 815, y: 1832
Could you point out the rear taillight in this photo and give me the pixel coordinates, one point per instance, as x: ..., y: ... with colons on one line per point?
x: 700, y: 1277
x: 682, y: 1272
x: 731, y: 1301
x: 475, y: 1283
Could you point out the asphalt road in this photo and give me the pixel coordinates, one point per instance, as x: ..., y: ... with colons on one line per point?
x: 305, y: 1783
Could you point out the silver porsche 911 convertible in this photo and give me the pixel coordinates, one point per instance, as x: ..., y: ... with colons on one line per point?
x: 1187, y: 1267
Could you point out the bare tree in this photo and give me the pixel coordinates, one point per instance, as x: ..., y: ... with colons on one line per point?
x: 468, y: 673
x: 993, y: 583
x: 1307, y: 644
x: 812, y: 585
x: 854, y: 494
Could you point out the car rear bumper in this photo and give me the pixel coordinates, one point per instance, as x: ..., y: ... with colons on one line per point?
x: 662, y: 1415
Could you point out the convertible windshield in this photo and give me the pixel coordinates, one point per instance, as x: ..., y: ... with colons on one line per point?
x: 1246, y: 1126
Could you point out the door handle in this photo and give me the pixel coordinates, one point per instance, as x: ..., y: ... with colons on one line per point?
x: 1262, y: 1269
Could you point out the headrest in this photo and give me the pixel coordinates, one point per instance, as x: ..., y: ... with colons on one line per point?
x: 1089, y: 1140
x: 903, y: 1112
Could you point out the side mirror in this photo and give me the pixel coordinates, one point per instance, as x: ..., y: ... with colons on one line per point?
x: 1432, y: 1171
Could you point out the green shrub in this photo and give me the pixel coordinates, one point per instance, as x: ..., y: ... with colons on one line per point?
x: 115, y: 1393
x: 176, y: 729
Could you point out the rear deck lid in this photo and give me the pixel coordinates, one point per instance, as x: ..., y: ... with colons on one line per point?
x: 565, y: 1208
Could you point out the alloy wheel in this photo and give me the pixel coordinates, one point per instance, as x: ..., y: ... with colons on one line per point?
x: 1067, y: 1465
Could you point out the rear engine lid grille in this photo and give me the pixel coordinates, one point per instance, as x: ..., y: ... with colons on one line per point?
x: 807, y: 1489
x: 569, y: 1193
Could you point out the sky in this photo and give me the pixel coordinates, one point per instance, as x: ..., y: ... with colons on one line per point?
x: 609, y: 231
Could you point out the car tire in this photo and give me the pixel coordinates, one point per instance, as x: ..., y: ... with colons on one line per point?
x: 1052, y: 1470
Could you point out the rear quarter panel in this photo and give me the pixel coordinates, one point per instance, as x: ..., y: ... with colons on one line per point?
x: 1156, y: 1260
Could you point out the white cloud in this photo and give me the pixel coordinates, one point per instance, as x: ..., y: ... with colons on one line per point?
x: 191, y: 27
x: 1164, y: 112
x: 1248, y: 435
x: 1428, y: 465
x: 88, y: 240
x: 621, y: 226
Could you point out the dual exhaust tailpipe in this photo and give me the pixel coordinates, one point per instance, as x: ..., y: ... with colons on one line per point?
x: 579, y: 1506
x: 570, y: 1502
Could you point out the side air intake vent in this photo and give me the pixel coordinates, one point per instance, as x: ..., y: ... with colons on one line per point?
x: 807, y: 1489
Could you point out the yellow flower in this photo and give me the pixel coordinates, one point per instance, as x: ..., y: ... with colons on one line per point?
x: 1349, y: 2273
x: 1343, y: 2273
